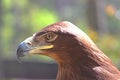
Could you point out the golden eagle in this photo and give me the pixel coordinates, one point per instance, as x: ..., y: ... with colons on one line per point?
x: 77, y: 56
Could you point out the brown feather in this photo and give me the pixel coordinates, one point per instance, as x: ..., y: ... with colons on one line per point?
x: 77, y: 55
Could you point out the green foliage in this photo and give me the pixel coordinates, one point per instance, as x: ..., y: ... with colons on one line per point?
x: 7, y: 4
x: 41, y: 18
x: 6, y: 33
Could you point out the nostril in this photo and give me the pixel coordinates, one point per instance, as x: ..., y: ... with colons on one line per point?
x: 29, y: 44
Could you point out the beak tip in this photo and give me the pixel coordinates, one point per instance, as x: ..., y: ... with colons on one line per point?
x: 21, y: 50
x: 19, y: 55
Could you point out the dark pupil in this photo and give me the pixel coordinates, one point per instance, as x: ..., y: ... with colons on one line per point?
x: 48, y: 37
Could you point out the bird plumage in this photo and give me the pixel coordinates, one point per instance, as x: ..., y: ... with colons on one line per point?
x: 76, y: 54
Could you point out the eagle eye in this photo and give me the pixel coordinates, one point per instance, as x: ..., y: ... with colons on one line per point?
x: 50, y: 36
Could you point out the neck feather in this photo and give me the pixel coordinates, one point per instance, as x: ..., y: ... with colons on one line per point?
x: 85, y: 67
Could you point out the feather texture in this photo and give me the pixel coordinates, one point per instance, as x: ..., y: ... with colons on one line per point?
x: 76, y: 54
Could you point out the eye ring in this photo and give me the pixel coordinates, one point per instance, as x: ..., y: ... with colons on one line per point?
x: 50, y: 36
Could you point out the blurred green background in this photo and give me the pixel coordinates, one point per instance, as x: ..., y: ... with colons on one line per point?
x: 100, y: 19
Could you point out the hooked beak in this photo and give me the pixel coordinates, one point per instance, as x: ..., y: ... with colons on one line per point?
x: 22, y: 48
x: 26, y: 47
